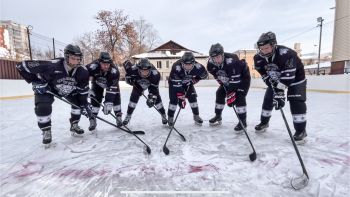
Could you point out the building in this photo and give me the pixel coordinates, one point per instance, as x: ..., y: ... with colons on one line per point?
x: 248, y: 56
x: 13, y: 38
x: 168, y: 53
x: 341, y: 38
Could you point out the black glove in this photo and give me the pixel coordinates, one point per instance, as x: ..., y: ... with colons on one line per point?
x: 87, y: 111
x: 275, y: 83
x: 129, y: 80
x: 151, y: 100
x: 279, y: 100
x: 40, y: 88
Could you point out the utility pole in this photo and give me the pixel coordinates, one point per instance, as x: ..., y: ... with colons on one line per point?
x: 29, y: 27
x: 320, y: 20
x: 53, y: 46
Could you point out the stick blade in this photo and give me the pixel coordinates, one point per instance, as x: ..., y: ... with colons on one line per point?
x: 299, y: 182
x: 165, y: 150
x: 139, y: 132
x: 148, y: 150
x: 252, y: 156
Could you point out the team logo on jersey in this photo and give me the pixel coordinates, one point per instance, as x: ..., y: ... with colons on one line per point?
x: 65, y: 86
x: 102, y: 82
x: 144, y: 83
x: 178, y: 68
x: 113, y: 71
x: 93, y: 66
x: 273, y: 71
x: 222, y: 76
x: 229, y: 60
x: 32, y: 64
x: 283, y: 51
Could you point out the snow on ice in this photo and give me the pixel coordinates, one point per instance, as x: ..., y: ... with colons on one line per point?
x: 110, y: 162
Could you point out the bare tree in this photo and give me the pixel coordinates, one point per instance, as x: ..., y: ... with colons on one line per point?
x: 89, y: 45
x: 114, y: 34
x: 147, y: 36
x: 40, y: 54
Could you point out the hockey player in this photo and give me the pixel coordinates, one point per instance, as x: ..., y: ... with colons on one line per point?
x: 142, y: 76
x: 281, y: 69
x: 65, y: 77
x: 233, y: 77
x: 184, y: 74
x: 105, y: 75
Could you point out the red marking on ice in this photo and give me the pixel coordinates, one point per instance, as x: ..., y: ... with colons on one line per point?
x: 29, y: 169
x: 344, y: 145
x: 82, y: 174
x: 337, y: 161
x: 208, y: 167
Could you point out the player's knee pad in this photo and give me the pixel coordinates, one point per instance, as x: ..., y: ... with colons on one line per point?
x: 297, y: 107
x: 43, y: 109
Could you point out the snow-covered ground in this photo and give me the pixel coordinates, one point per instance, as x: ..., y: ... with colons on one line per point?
x: 110, y: 162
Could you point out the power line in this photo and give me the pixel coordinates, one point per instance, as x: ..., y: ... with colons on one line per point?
x: 338, y: 19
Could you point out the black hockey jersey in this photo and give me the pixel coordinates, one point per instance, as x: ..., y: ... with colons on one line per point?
x: 284, y: 66
x: 179, y: 77
x: 106, y: 80
x: 55, y: 73
x: 151, y: 82
x: 232, y: 73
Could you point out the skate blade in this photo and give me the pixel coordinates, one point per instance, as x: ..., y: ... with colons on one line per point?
x: 215, y: 124
x: 301, y: 142
x: 197, y: 123
x: 74, y: 134
x: 260, y: 131
x: 239, y: 131
x: 50, y: 145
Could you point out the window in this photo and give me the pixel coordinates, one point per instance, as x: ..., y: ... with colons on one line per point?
x: 167, y: 64
x: 159, y: 64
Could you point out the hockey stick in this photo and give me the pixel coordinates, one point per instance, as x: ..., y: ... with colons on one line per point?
x: 148, y: 149
x: 302, y: 181
x: 182, y: 137
x: 119, y: 127
x: 252, y: 156
x: 165, y: 149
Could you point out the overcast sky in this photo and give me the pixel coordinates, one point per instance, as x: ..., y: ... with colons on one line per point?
x: 195, y: 24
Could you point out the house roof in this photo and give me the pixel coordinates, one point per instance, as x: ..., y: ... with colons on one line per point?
x: 170, y: 46
x: 168, y: 50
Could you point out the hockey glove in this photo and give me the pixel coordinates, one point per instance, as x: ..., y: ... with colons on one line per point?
x: 107, y: 108
x: 91, y: 94
x: 279, y: 100
x: 277, y: 84
x: 181, y: 99
x: 40, y: 88
x: 129, y: 80
x: 231, y: 99
x: 151, y: 100
x: 87, y: 111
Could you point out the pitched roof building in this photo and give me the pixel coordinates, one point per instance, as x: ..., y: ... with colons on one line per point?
x: 166, y: 54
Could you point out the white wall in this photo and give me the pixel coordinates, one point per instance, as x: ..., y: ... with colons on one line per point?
x: 318, y: 83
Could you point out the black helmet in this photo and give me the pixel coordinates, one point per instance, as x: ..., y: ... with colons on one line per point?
x: 105, y: 58
x: 72, y: 50
x: 144, y: 64
x: 216, y: 49
x: 267, y: 38
x: 188, y: 58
